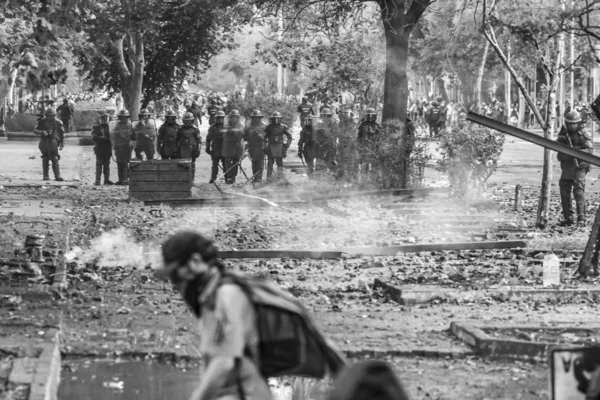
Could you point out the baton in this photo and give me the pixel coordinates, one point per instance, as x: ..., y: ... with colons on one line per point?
x: 304, y: 165
x: 571, y: 144
x: 230, y: 168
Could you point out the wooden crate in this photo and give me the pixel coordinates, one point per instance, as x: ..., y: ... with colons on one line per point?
x: 160, y: 179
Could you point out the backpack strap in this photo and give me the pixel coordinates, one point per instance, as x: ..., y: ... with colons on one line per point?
x: 238, y: 378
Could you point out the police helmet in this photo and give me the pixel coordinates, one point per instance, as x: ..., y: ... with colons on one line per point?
x: 256, y: 114
x: 104, y: 117
x: 326, y: 112
x: 371, y: 115
x: 123, y: 114
x: 304, y: 99
x: 276, y: 117
x: 234, y: 113
x: 434, y: 104
x: 144, y: 113
x: 573, y: 117
x: 50, y: 112
x: 171, y: 116
x: 220, y: 117
x: 188, y: 117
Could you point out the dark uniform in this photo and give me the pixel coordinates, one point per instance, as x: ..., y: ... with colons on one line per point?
x: 232, y: 150
x: 167, y: 137
x: 325, y: 137
x: 102, y: 149
x: 214, y: 144
x: 196, y: 111
x: 305, y: 109
x: 145, y: 136
x: 307, y: 145
x: 254, y: 136
x: 368, y: 131
x: 52, y: 139
x: 212, y: 110
x: 434, y: 118
x: 274, y: 146
x: 123, y: 141
x: 189, y: 141
x: 572, y: 178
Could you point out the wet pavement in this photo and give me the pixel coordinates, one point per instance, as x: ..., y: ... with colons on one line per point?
x: 114, y: 380
x: 153, y: 380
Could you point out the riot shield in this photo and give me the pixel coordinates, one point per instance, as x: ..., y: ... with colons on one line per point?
x: 145, y: 132
x: 121, y: 134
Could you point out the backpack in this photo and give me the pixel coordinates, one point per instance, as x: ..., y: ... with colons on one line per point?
x: 288, y: 342
x: 434, y: 116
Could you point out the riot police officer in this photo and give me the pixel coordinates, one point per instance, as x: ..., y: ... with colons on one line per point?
x: 145, y: 136
x: 305, y: 109
x: 102, y: 149
x: 214, y: 144
x: 123, y: 141
x: 274, y: 146
x: 52, y: 140
x: 326, y: 138
x: 572, y: 178
x: 368, y: 131
x: 189, y: 141
x: 233, y: 149
x: 307, y: 145
x: 167, y: 137
x: 212, y: 110
x: 254, y: 136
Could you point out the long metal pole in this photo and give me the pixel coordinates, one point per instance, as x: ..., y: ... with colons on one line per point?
x: 533, y: 138
x: 572, y: 61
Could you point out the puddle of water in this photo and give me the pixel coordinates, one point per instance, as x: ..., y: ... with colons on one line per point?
x: 153, y: 380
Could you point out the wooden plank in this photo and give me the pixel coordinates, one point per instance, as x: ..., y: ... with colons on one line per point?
x: 159, y: 176
x: 160, y: 187
x: 416, y: 248
x: 137, y: 176
x: 160, y: 165
x: 159, y: 197
x: 379, y: 251
x: 295, y: 254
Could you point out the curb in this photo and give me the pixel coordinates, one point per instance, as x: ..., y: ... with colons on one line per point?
x: 411, y: 297
x: 37, y: 365
x: 47, y: 375
x: 485, y: 345
x: 360, y: 353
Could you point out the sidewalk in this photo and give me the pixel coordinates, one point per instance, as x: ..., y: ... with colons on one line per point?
x: 21, y: 163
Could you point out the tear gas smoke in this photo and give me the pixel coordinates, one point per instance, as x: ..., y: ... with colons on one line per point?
x: 116, y: 248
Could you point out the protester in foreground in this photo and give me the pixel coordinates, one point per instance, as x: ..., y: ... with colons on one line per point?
x: 229, y: 307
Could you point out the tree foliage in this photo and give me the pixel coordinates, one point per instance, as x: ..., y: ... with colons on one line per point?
x: 337, y: 56
x: 177, y: 41
x: 32, y: 55
x: 469, y: 157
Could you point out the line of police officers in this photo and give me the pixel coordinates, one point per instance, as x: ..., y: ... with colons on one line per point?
x: 224, y: 142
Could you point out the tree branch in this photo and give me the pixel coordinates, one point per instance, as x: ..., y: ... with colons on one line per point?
x: 121, y: 64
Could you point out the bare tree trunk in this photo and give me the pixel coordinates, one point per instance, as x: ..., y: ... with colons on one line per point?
x: 398, y: 21
x: 480, y: 72
x: 544, y: 202
x: 548, y: 124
